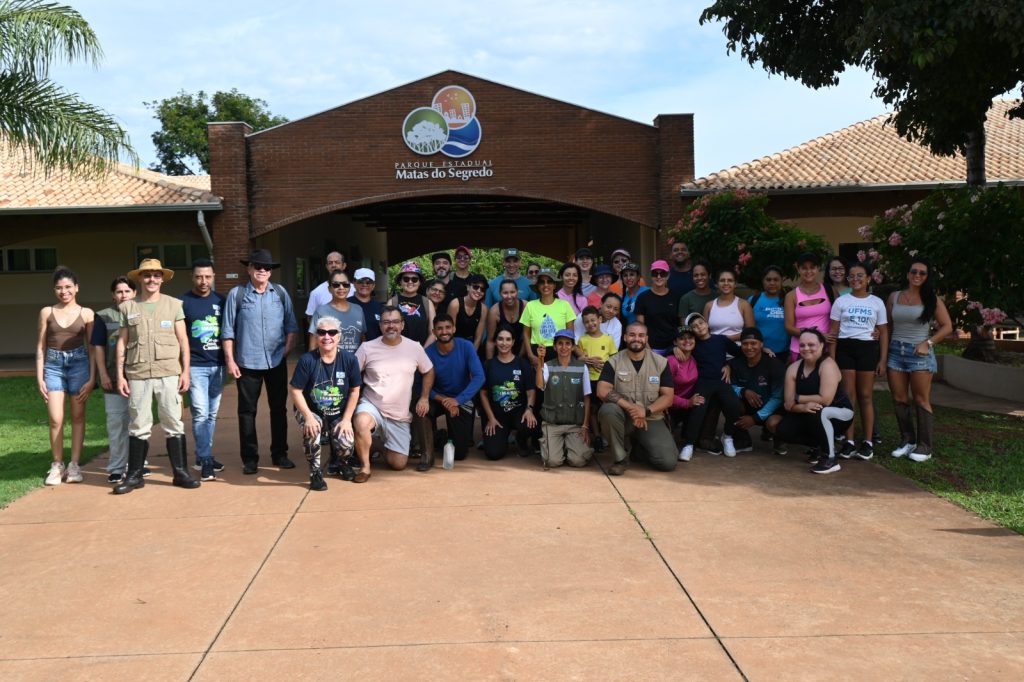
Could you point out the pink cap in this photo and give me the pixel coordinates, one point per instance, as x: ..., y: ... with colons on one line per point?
x: 660, y: 265
x: 465, y: 249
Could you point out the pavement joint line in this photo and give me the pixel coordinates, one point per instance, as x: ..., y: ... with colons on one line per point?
x: 941, y: 633
x: 140, y: 518
x: 457, y: 506
x: 248, y: 586
x: 664, y: 561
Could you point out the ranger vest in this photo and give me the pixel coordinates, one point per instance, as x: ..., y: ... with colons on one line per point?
x: 641, y: 387
x: 152, y: 350
x: 563, y: 397
x: 112, y: 318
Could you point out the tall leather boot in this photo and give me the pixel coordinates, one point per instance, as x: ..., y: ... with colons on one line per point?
x: 425, y: 426
x: 905, y: 421
x: 925, y: 425
x: 176, y: 453
x: 137, y: 449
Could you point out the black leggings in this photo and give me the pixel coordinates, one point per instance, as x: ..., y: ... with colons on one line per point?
x: 496, y: 446
x: 815, y: 429
x: 723, y: 397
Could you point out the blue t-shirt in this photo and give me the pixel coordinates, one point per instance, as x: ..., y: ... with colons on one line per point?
x: 203, y: 317
x: 326, y: 386
x: 494, y: 289
x: 629, y: 305
x: 507, y: 383
x: 457, y: 374
x: 709, y: 355
x: 371, y: 315
x: 770, y: 318
x: 680, y: 282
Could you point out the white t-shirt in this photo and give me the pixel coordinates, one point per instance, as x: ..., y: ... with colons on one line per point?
x: 613, y: 328
x: 858, y: 317
x: 586, y: 379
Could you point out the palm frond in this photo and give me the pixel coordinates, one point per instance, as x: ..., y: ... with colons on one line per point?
x: 35, y: 33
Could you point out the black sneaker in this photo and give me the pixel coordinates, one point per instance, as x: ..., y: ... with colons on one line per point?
x: 334, y: 465
x: 346, y: 472
x: 866, y: 451
x: 848, y: 450
x: 283, y: 462
x: 712, y: 447
x: 316, y: 481
x: 813, y: 455
x: 779, y: 448
x: 249, y: 468
x: 115, y: 478
x: 146, y: 473
x: 207, y: 469
x: 217, y: 466
x: 826, y: 465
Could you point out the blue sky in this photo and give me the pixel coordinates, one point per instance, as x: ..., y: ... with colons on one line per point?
x: 633, y: 59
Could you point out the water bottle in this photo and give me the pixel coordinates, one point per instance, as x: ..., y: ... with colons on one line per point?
x: 448, y: 461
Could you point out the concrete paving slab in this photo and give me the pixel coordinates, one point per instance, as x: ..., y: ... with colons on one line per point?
x: 473, y: 482
x: 471, y: 574
x: 156, y: 668
x: 131, y: 587
x: 970, y: 656
x: 831, y: 567
x: 663, y: 659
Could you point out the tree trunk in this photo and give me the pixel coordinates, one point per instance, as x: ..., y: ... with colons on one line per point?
x: 974, y: 152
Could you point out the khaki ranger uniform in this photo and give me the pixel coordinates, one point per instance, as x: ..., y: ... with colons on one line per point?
x: 562, y: 416
x: 152, y: 365
x: 642, y: 387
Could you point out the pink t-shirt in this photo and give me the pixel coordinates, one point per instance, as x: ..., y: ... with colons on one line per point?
x: 388, y: 373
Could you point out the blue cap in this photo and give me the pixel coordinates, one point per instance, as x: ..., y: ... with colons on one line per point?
x: 565, y: 334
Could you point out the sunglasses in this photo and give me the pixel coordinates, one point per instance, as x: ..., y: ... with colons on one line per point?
x: 621, y: 260
x: 545, y: 282
x: 152, y: 275
x: 920, y: 273
x: 462, y: 256
x: 261, y: 267
x: 327, y: 332
x: 410, y: 280
x: 532, y: 272
x: 364, y: 281
x: 340, y: 285
x: 659, y: 273
x: 477, y: 287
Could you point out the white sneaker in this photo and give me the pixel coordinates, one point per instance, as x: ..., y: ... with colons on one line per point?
x: 919, y: 457
x: 56, y: 474
x: 728, y: 447
x: 74, y: 473
x: 904, y: 450
x: 686, y: 453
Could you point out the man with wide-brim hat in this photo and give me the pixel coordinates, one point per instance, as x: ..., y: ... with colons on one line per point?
x: 259, y: 331
x: 153, y: 360
x: 510, y: 260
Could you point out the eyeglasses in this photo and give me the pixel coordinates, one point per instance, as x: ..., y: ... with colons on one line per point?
x: 364, y: 281
x: 838, y: 268
x: 340, y: 285
x: 437, y: 290
x: 858, y: 276
x: 918, y: 273
x: 410, y: 280
x: 462, y: 256
x: 391, y: 323
x: 327, y: 332
x: 659, y: 273
x: 261, y: 266
x: 152, y: 275
x: 477, y: 287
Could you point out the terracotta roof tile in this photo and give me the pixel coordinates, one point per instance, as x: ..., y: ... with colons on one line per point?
x: 125, y: 186
x: 870, y: 154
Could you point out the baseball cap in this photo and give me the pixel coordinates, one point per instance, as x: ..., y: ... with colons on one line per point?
x: 751, y: 333
x: 463, y: 249
x: 660, y: 265
x: 510, y: 253
x: 808, y: 257
x: 565, y: 334
x: 364, y: 273
x: 584, y: 252
x: 691, y: 317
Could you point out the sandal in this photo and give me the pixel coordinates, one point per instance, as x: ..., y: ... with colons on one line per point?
x: 361, y: 477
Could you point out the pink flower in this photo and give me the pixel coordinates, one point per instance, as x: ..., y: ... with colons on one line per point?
x: 671, y: 241
x: 873, y: 254
x: 746, y: 258
x: 861, y: 256
x: 992, y: 316
x: 864, y: 231
x: 877, y: 276
x: 973, y: 305
x: 890, y: 213
x: 737, y: 269
x: 895, y: 239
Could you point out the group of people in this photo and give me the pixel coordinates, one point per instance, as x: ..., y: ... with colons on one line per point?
x: 563, y: 363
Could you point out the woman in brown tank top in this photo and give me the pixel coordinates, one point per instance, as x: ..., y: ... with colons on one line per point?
x: 64, y: 365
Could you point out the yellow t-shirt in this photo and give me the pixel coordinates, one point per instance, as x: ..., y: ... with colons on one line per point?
x: 598, y: 346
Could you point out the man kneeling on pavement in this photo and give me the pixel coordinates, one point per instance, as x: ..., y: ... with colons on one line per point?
x: 636, y: 389
x: 758, y: 381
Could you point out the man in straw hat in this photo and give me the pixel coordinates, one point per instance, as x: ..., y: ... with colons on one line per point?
x: 153, y: 363
x: 258, y: 333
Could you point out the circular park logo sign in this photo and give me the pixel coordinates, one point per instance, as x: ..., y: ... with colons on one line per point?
x: 449, y: 125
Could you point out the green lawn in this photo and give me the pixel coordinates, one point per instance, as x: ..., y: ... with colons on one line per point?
x: 978, y: 462
x: 25, y: 440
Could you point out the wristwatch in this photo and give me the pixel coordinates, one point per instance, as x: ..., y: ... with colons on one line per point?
x: 931, y: 344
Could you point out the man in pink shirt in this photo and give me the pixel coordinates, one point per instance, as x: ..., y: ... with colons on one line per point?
x: 391, y: 366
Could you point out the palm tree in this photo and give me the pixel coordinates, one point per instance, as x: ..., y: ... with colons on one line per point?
x: 51, y: 128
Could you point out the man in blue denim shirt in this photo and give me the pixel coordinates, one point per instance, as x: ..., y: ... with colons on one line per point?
x: 259, y: 331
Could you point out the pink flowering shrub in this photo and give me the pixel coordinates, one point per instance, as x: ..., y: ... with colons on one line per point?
x: 733, y: 230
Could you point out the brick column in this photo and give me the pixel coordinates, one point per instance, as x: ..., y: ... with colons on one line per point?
x: 675, y: 166
x: 231, y: 228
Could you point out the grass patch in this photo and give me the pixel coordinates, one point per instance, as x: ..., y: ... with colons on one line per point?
x: 25, y: 436
x: 978, y: 462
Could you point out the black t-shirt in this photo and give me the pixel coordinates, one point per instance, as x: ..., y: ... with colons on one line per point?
x: 608, y: 374
x: 414, y: 311
x: 709, y: 354
x: 326, y: 386
x: 371, y: 314
x: 507, y: 383
x: 762, y: 379
x: 661, y: 315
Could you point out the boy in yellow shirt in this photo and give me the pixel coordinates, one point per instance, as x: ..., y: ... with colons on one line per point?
x: 593, y: 348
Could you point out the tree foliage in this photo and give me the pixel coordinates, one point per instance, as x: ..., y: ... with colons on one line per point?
x: 487, y: 262
x: 971, y: 238
x: 182, y: 144
x: 733, y: 230
x: 938, y: 63
x: 49, y: 127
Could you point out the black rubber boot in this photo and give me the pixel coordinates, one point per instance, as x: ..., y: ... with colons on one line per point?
x: 176, y: 453
x: 925, y: 427
x: 137, y: 449
x: 425, y: 427
x: 905, y: 421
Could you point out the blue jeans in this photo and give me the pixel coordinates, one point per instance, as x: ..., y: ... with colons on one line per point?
x: 206, y: 384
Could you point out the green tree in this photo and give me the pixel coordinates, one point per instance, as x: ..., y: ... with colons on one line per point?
x: 182, y: 145
x: 48, y: 126
x: 938, y: 63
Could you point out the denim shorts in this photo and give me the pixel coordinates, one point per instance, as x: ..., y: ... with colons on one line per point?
x: 902, y: 358
x: 66, y: 370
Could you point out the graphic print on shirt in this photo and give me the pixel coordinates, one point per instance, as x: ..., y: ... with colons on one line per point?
x: 207, y: 330
x: 327, y: 397
x: 547, y: 328
x: 506, y: 394
x: 408, y: 309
